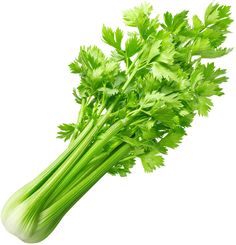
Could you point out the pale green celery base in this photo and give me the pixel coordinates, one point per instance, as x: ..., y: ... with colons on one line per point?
x: 21, y: 198
x: 24, y: 215
x: 31, y: 223
x: 21, y: 218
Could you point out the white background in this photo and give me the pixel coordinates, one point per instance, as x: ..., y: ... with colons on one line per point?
x: 192, y: 200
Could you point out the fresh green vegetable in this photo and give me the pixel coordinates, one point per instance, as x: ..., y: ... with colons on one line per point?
x: 135, y: 103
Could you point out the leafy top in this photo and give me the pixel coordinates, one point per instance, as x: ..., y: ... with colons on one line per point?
x: 165, y: 81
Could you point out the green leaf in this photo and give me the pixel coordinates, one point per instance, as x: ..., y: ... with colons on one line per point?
x: 150, y: 99
x: 217, y: 22
x: 75, y: 67
x: 197, y: 23
x: 140, y: 17
x: 205, y: 80
x: 177, y: 23
x: 215, y: 36
x: 160, y: 71
x: 117, y: 56
x: 66, y: 131
x: 196, y: 77
x: 149, y: 84
x: 150, y: 51
x: 211, y: 14
x: 132, y: 45
x: 151, y: 161
x: 167, y: 54
x: 91, y: 57
x: 112, y: 38
x: 78, y: 99
x: 109, y: 91
x: 213, y: 74
x: 215, y: 53
x: 165, y: 115
x: 204, y: 106
x: 216, y: 13
x: 171, y: 140
x: 168, y: 18
x: 208, y: 89
x: 122, y: 168
x: 150, y: 130
x: 200, y: 46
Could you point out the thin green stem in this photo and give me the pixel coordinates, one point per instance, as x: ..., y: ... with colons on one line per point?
x: 136, y: 68
x: 129, y: 79
x: 134, y: 62
x: 79, y: 120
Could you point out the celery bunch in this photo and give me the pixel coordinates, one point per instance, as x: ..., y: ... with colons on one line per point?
x: 136, y: 103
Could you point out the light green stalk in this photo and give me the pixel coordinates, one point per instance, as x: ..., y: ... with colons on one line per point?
x: 31, y: 224
x: 21, y: 213
x: 92, y: 165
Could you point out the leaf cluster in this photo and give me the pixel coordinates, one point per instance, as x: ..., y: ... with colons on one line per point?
x: 157, y: 76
